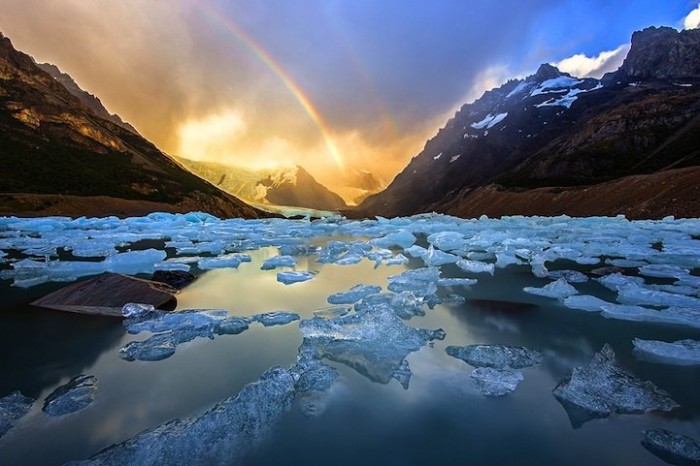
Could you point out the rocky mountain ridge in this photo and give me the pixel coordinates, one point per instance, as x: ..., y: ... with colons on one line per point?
x: 555, y: 130
x: 60, y: 157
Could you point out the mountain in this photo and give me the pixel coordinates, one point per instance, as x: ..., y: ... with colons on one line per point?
x: 87, y: 99
x: 63, y: 154
x: 547, y: 142
x: 279, y: 186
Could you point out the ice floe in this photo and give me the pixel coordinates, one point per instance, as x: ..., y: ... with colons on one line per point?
x: 373, y: 341
x: 603, y: 388
x: 681, y: 352
x: 279, y: 261
x: 294, y: 277
x: 76, y: 395
x: 559, y: 289
x: 496, y: 356
x: 496, y: 382
x: 354, y: 294
x: 671, y: 447
x: 13, y: 407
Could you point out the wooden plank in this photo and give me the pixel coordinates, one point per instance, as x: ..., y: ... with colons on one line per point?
x: 106, y: 294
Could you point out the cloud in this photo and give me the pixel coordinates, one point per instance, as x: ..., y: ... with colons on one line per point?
x: 582, y: 66
x: 692, y: 21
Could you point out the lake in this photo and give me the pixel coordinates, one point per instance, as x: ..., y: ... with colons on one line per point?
x: 368, y: 380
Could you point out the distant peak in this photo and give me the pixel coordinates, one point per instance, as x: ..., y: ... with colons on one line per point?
x: 547, y: 71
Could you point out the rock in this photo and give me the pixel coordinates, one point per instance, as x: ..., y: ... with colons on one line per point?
x: 671, y: 447
x: 496, y: 382
x: 107, y: 294
x: 662, y: 53
x: 178, y: 279
x: 496, y: 356
x: 12, y: 408
x: 77, y: 394
x: 603, y: 388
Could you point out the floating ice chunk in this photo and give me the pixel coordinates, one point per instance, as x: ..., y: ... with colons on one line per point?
x: 457, y: 282
x: 663, y: 271
x: 135, y: 310
x: 353, y: 295
x: 313, y: 379
x: 13, y: 407
x: 77, y: 394
x: 571, y: 276
x: 603, y: 388
x: 332, y: 312
x: 269, y: 319
x: 615, y: 281
x: 134, y: 261
x: 421, y: 282
x: 399, y: 259
x: 222, y: 435
x: 405, y: 304
x: 294, y: 277
x: 447, y: 240
x: 559, y: 289
x: 496, y: 382
x: 587, y: 260
x: 343, y: 252
x: 671, y: 447
x: 504, y: 259
x: 475, y: 266
x: 434, y: 257
x: 416, y: 251
x: 93, y: 249
x: 374, y: 342
x: 232, y: 326
x: 454, y: 158
x: 349, y: 259
x: 232, y: 260
x: 682, y: 352
x: 204, y: 320
x: 279, y: 261
x: 634, y: 294
x: 673, y: 315
x: 625, y: 263
x: 496, y: 356
x: 585, y: 303
x: 155, y: 348
x: 401, y: 238
x: 298, y: 250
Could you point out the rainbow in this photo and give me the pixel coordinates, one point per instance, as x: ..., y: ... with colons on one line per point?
x: 262, y: 54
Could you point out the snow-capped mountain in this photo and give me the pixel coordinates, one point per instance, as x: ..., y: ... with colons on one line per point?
x: 552, y: 129
x: 291, y: 186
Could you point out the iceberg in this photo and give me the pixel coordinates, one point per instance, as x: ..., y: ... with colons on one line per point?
x: 681, y: 352
x: 475, y: 266
x: 456, y: 282
x: 402, y: 239
x: 405, y: 304
x: 496, y: 382
x: 294, y: 277
x: 559, y: 289
x: 13, y: 407
x: 77, y: 394
x: 496, y: 356
x: 222, y: 435
x: 671, y: 447
x: 279, y: 261
x: 373, y: 341
x: 226, y: 261
x: 421, y: 282
x: 585, y: 303
x: 353, y: 295
x: 603, y: 388
x: 269, y: 319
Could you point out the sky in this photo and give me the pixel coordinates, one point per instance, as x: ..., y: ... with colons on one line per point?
x: 335, y: 86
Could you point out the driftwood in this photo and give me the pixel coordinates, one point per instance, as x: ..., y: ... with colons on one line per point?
x: 105, y: 295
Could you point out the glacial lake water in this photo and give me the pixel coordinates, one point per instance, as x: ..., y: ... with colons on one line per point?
x: 441, y: 417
